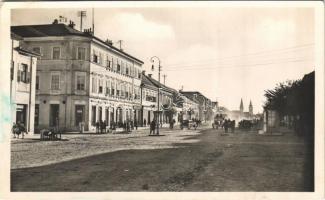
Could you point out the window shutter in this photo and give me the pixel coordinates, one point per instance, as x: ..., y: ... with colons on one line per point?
x: 28, y: 77
x: 18, y: 76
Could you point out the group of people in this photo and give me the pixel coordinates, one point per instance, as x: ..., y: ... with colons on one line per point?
x: 229, y: 124
x: 17, y: 129
x: 128, y: 126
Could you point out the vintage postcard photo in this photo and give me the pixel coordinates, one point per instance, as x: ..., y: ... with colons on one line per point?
x: 164, y: 97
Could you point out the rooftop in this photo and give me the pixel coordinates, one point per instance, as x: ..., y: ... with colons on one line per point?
x: 47, y: 30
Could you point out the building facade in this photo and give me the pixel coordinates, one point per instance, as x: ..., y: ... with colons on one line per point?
x: 81, y: 79
x: 22, y: 84
x: 149, y: 91
x: 205, y: 104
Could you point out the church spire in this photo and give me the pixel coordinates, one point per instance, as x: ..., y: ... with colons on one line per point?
x: 250, y: 107
x: 241, y: 107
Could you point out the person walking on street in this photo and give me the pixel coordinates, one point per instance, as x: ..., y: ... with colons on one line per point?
x: 225, y: 124
x: 136, y: 125
x: 152, y: 127
x: 144, y: 122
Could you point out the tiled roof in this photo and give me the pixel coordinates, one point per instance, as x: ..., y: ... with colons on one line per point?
x: 47, y: 30
x: 145, y: 81
x: 162, y: 86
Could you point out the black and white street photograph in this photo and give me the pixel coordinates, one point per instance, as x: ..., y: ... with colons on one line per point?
x: 158, y: 97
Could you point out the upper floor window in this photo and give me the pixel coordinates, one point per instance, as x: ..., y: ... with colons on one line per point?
x: 81, y: 82
x: 100, y: 86
x: 108, y: 62
x: 56, y: 53
x: 55, y: 81
x: 23, y: 74
x: 127, y: 70
x: 100, y: 58
x: 37, y: 83
x: 118, y: 68
x: 81, y: 53
x: 95, y: 57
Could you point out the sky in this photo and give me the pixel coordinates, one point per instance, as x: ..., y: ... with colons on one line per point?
x: 226, y: 53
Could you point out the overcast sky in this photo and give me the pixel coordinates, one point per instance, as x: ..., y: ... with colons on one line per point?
x: 225, y: 53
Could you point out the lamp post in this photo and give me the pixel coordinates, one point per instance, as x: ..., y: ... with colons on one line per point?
x: 152, y: 59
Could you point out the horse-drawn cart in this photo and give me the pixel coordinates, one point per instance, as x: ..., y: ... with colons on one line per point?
x: 50, y: 134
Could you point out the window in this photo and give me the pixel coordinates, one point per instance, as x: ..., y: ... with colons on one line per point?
x: 118, y: 68
x: 81, y: 53
x: 95, y: 57
x: 81, y: 82
x: 94, y: 85
x: 100, y: 60
x: 127, y: 70
x: 93, y: 115
x: 56, y: 52
x: 113, y: 88
x: 100, y: 86
x: 37, y: 83
x: 139, y: 74
x: 37, y: 50
x: 24, y: 76
x: 108, y: 87
x: 55, y: 81
x: 108, y: 62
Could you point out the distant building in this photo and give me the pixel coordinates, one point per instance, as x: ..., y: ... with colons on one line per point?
x: 81, y: 78
x: 240, y: 114
x: 205, y: 104
x: 22, y: 84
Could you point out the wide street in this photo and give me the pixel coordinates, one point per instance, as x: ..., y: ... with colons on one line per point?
x: 181, y: 160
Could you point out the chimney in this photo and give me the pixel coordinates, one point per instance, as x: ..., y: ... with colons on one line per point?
x: 150, y: 75
x: 109, y: 42
x: 71, y: 24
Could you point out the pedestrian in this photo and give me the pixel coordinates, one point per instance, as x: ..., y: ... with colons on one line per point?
x: 104, y: 126
x: 225, y: 124
x: 152, y: 127
x: 97, y: 126
x: 101, y: 126
x: 233, y: 123
x: 113, y: 127
x: 136, y: 125
x: 144, y: 122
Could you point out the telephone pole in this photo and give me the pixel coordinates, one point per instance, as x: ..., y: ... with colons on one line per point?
x: 81, y: 14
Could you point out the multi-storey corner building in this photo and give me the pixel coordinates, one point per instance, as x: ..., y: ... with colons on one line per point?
x: 22, y: 84
x: 81, y: 78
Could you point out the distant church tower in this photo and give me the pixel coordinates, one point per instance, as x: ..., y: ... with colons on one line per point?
x: 250, y: 108
x: 241, y: 107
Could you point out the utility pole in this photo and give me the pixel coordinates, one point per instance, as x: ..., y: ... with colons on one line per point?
x: 81, y: 14
x: 93, y: 20
x: 164, y: 78
x: 158, y: 109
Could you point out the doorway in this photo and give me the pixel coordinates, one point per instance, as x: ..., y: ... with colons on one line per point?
x: 54, y: 114
x: 79, y: 114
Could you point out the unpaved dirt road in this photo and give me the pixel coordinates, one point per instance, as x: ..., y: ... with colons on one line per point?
x: 237, y: 162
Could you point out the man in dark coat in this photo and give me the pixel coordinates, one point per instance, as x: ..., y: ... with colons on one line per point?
x: 152, y: 127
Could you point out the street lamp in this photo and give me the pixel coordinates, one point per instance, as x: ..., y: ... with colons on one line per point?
x: 152, y: 59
